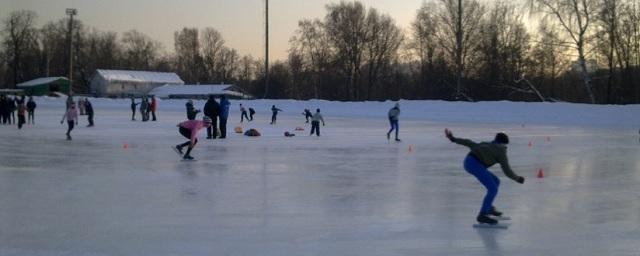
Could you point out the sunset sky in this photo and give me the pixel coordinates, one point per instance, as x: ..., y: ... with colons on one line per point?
x: 241, y: 22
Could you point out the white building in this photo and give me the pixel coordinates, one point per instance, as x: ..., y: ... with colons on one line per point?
x: 121, y: 83
x: 200, y: 91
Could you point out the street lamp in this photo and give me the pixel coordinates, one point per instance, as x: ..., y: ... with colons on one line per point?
x: 71, y: 12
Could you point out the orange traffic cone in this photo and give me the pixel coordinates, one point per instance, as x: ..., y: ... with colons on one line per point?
x: 540, y: 173
x: 125, y: 145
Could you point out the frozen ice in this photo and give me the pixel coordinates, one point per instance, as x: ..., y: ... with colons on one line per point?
x: 118, y: 189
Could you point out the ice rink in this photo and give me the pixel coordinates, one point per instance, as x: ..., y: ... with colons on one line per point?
x: 118, y: 189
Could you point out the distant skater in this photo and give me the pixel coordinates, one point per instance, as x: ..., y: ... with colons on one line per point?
x: 212, y: 110
x: 72, y: 118
x: 133, y: 108
x: 153, y: 108
x: 243, y: 114
x: 192, y: 112
x: 189, y: 129
x: 251, y: 113
x: 394, y: 113
x: 224, y: 115
x: 89, y: 111
x: 22, y: 111
x: 143, y: 109
x: 31, y: 110
x: 315, y: 122
x: 482, y: 156
x: 274, y: 114
x: 307, y: 114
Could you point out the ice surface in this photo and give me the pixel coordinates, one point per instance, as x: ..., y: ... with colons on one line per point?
x: 118, y: 189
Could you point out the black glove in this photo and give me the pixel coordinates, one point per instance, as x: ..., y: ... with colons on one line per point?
x: 520, y: 180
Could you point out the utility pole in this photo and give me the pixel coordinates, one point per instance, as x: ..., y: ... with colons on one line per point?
x: 266, y: 49
x: 71, y: 12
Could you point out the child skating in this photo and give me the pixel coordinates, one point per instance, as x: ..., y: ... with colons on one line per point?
x: 189, y: 129
x: 482, y: 156
x: 393, y: 114
x: 72, y: 119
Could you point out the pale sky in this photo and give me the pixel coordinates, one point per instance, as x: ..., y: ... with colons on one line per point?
x: 241, y: 22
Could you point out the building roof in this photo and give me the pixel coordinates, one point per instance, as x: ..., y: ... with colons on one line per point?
x: 201, y: 89
x: 41, y: 81
x: 140, y: 76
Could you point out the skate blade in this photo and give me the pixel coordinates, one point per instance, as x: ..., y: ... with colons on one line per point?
x: 188, y: 160
x: 496, y: 226
x: 501, y: 217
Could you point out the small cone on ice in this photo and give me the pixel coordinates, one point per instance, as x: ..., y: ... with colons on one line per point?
x: 530, y: 144
x: 548, y: 139
x: 410, y: 148
x: 125, y: 145
x: 540, y: 173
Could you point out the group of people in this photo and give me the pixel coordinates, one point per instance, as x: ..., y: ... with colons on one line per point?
x: 9, y: 106
x: 147, y: 107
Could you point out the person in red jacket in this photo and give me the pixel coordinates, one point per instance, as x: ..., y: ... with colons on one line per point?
x: 153, y: 107
x: 189, y: 129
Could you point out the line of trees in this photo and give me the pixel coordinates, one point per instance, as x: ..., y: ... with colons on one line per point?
x: 578, y: 51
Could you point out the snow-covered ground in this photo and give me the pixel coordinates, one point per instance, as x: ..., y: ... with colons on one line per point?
x: 118, y: 189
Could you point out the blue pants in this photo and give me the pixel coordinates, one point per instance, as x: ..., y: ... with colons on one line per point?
x: 488, y: 180
x: 394, y: 125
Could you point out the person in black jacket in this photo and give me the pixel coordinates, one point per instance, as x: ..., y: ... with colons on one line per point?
x: 212, y: 110
x: 3, y: 109
x: 88, y: 108
x: 31, y: 109
x: 191, y: 110
x: 251, y: 113
x: 274, y: 116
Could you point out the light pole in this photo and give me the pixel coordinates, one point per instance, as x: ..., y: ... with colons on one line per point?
x: 71, y: 12
x: 266, y: 49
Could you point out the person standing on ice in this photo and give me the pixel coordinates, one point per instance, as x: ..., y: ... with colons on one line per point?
x: 22, y: 110
x: 315, y: 122
x: 31, y: 109
x: 212, y: 110
x: 251, y: 113
x: 72, y: 118
x: 189, y: 129
x: 224, y: 114
x: 482, y: 156
x: 153, y: 107
x: 133, y: 108
x: 274, y: 116
x: 394, y: 113
x: 191, y: 110
x: 89, y: 111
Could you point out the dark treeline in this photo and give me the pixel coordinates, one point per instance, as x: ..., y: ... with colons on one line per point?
x: 577, y: 51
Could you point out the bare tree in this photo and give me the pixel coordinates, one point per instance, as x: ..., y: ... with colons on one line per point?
x: 187, y: 50
x: 423, y: 43
x: 139, y: 50
x: 19, y: 33
x: 311, y: 43
x: 382, y: 47
x: 212, y: 44
x: 576, y: 17
x: 460, y: 20
x: 346, y: 27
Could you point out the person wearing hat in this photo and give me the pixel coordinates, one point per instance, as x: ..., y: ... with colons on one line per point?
x: 191, y: 110
x: 394, y: 113
x: 189, y: 129
x: 482, y: 156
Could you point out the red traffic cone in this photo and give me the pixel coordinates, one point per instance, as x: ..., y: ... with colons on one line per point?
x: 530, y: 144
x: 410, y: 148
x: 540, y: 173
x: 125, y: 145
